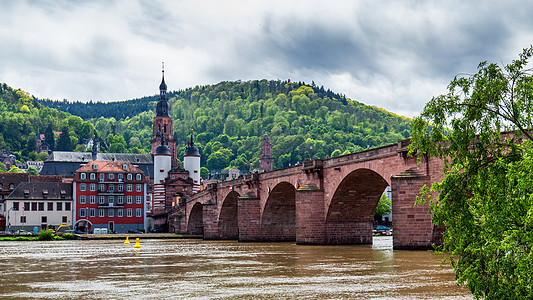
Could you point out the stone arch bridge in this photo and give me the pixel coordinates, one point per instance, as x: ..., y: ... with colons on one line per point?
x: 330, y: 201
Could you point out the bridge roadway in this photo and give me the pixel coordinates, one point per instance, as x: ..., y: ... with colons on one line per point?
x: 330, y: 201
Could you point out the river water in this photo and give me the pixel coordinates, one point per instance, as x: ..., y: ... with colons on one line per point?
x: 197, y: 269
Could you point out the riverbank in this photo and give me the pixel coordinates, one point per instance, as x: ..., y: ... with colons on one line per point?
x: 122, y: 236
x: 115, y: 236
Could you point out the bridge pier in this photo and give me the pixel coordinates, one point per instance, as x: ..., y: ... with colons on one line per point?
x: 412, y: 224
x: 310, y: 215
x: 210, y: 221
x: 249, y: 218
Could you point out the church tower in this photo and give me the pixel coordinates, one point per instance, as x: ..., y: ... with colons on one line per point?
x: 191, y: 163
x: 266, y: 159
x: 163, y: 122
x: 162, y: 163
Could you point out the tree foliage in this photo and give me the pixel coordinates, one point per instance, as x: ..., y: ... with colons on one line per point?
x: 303, y: 121
x: 481, y: 131
x: 14, y: 169
x: 23, y: 118
x: 231, y: 117
x: 384, y: 206
x: 32, y: 171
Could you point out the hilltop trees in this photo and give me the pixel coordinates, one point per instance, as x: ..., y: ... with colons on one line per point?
x: 229, y: 120
x: 303, y: 122
x: 485, y: 200
x: 22, y: 118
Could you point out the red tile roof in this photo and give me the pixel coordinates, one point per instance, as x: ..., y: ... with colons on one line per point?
x: 109, y: 167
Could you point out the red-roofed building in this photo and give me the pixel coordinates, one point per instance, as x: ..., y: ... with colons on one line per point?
x: 111, y: 195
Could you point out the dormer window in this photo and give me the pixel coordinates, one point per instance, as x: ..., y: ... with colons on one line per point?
x: 11, y: 186
x: 83, y: 176
x: 26, y: 194
x: 45, y: 193
x: 95, y: 167
x: 125, y: 167
x: 63, y: 194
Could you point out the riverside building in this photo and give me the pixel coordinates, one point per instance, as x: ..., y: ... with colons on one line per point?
x: 110, y: 195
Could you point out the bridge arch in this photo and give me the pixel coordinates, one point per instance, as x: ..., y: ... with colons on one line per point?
x: 350, y: 214
x: 278, y: 220
x: 195, y: 225
x: 228, y: 219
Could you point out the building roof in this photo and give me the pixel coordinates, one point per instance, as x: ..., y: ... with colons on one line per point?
x: 84, y: 157
x: 162, y: 149
x: 163, y: 85
x: 66, y: 163
x: 16, y: 178
x: 42, y: 191
x: 6, y: 179
x: 109, y: 167
x: 191, y: 149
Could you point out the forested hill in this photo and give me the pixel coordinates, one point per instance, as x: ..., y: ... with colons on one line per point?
x: 130, y: 108
x: 230, y: 118
x: 22, y: 118
x: 117, y: 109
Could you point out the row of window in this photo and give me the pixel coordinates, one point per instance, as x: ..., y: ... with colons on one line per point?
x: 39, y: 206
x: 110, y: 199
x: 110, y: 187
x: 110, y: 176
x: 93, y: 212
x: 44, y: 219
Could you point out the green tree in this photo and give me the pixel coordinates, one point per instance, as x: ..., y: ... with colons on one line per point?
x: 64, y: 141
x: 80, y: 148
x: 42, y: 156
x: 384, y: 206
x: 15, y: 169
x: 485, y: 199
x: 31, y: 144
x: 49, y: 137
x: 336, y: 152
x: 86, y: 130
x: 116, y: 143
x: 32, y: 171
x: 204, y: 172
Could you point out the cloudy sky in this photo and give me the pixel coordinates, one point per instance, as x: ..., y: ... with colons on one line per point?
x: 391, y: 54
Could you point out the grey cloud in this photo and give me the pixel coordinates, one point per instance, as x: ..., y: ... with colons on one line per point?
x: 391, y: 54
x: 311, y: 46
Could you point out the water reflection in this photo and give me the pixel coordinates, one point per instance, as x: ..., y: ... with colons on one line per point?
x: 220, y: 269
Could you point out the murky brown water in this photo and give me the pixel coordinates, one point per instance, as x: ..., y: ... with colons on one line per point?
x: 175, y: 269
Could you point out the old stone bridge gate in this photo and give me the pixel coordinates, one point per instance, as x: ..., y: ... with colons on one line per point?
x: 330, y: 201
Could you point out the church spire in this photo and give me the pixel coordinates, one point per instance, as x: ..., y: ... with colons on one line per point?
x: 163, y: 107
x: 163, y: 85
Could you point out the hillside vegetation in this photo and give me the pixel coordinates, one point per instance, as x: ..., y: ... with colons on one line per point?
x: 230, y: 118
x: 22, y: 117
